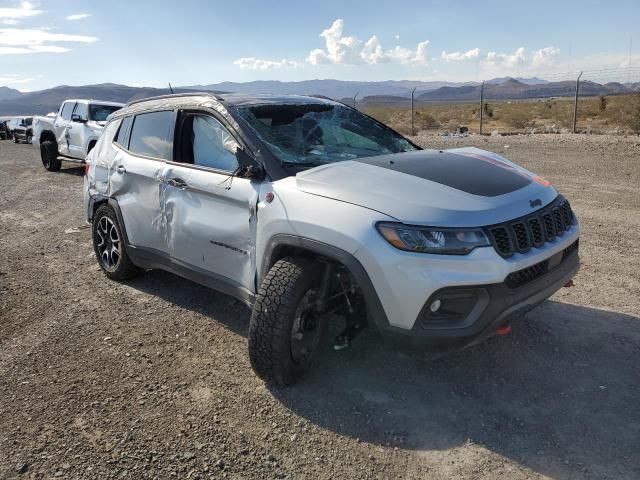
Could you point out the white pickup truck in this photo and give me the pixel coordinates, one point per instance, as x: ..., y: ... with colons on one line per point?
x: 73, y: 132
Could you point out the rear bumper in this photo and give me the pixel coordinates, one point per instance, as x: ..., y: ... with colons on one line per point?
x: 22, y: 136
x: 471, y: 313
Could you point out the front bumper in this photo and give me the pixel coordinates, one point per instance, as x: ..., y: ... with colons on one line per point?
x: 406, y: 283
x: 481, y: 309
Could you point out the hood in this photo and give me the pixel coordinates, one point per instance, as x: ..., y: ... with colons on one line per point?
x: 96, y: 125
x: 463, y: 187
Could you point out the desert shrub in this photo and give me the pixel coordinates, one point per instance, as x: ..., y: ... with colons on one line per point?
x: 488, y: 110
x: 632, y: 114
x: 517, y: 119
x: 602, y: 103
x: 425, y: 121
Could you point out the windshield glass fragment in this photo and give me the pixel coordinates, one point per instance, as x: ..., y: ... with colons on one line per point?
x: 315, y: 134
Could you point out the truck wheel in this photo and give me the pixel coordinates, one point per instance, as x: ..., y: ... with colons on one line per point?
x: 285, y: 330
x: 49, y: 155
x: 108, y: 243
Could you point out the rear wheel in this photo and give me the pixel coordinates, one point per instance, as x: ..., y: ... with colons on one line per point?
x: 286, y: 328
x: 108, y: 244
x: 49, y: 156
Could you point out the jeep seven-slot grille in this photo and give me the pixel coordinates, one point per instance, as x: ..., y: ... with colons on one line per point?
x: 533, y: 230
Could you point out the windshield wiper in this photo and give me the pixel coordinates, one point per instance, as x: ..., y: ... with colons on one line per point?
x: 286, y: 164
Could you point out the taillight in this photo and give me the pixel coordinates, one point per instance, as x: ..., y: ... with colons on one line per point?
x: 87, y: 164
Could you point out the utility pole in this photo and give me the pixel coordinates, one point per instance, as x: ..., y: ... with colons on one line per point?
x: 170, y: 87
x: 412, y: 114
x: 354, y: 100
x: 575, y: 106
x: 481, y: 105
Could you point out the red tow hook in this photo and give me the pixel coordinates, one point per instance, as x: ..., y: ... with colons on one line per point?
x: 504, y: 330
x: 569, y: 284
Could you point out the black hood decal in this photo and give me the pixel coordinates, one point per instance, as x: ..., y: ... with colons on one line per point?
x: 475, y: 174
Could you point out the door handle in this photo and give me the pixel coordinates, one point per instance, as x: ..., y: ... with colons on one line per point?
x: 177, y: 183
x: 121, y: 170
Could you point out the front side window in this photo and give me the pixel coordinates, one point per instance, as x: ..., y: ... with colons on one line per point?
x: 206, y: 142
x: 67, y: 108
x: 152, y: 134
x: 99, y: 113
x: 81, y: 111
x: 316, y: 134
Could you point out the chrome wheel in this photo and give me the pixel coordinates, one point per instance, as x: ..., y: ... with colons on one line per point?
x: 108, y: 244
x: 305, y: 331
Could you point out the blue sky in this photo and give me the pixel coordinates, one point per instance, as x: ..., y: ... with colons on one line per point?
x: 46, y: 43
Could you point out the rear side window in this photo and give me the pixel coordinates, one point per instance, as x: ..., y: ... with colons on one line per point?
x: 152, y: 134
x: 67, y: 108
x: 122, y: 137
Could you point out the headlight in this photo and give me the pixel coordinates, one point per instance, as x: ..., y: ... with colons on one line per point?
x: 451, y: 241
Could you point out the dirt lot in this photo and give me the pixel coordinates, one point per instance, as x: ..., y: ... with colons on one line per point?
x: 150, y: 378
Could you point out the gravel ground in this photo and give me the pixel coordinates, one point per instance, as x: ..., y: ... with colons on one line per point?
x: 150, y: 378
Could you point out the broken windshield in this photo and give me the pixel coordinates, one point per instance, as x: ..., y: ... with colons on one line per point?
x: 307, y: 135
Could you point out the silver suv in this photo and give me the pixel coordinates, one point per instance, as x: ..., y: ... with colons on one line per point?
x: 302, y: 206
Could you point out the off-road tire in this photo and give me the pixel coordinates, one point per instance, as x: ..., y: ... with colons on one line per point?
x: 272, y: 318
x: 15, y: 140
x: 125, y: 268
x: 49, y: 156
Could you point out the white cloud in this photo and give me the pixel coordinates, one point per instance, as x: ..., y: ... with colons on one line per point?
x: 15, y: 41
x: 252, y: 63
x: 469, y: 55
x: 348, y: 50
x: 8, y: 79
x: 339, y: 49
x: 78, y: 16
x: 10, y: 15
x: 514, y: 59
x: 545, y: 57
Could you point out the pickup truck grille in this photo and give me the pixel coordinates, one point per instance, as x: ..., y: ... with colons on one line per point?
x: 533, y: 230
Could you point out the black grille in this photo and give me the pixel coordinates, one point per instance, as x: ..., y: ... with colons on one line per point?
x: 529, y: 274
x: 533, y: 230
x: 526, y: 275
x: 537, y: 235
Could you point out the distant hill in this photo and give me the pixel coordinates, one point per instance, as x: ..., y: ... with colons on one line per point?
x: 7, y: 93
x: 330, y: 88
x: 13, y: 102
x: 528, y: 81
x: 44, y: 101
x: 513, y: 89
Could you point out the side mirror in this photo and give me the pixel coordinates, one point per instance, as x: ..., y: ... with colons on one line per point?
x: 77, y: 118
x: 248, y: 166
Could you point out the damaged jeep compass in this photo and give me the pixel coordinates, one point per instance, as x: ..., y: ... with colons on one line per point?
x: 302, y: 207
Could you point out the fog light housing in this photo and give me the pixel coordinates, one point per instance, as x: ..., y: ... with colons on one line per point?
x: 435, y: 306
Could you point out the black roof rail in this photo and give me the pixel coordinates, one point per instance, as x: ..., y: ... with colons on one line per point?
x: 176, y: 95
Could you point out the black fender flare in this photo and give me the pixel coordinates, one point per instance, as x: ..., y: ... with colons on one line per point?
x: 99, y: 199
x: 374, y: 305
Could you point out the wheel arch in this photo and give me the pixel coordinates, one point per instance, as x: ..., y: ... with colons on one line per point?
x: 97, y: 201
x: 281, y: 246
x: 47, y: 135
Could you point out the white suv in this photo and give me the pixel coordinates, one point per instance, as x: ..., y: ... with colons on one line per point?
x: 301, y: 206
x: 72, y: 132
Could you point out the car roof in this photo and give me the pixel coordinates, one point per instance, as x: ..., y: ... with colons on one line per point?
x: 208, y: 99
x: 94, y: 102
x: 243, y: 99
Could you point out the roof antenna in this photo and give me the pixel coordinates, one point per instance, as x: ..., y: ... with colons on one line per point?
x: 170, y: 87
